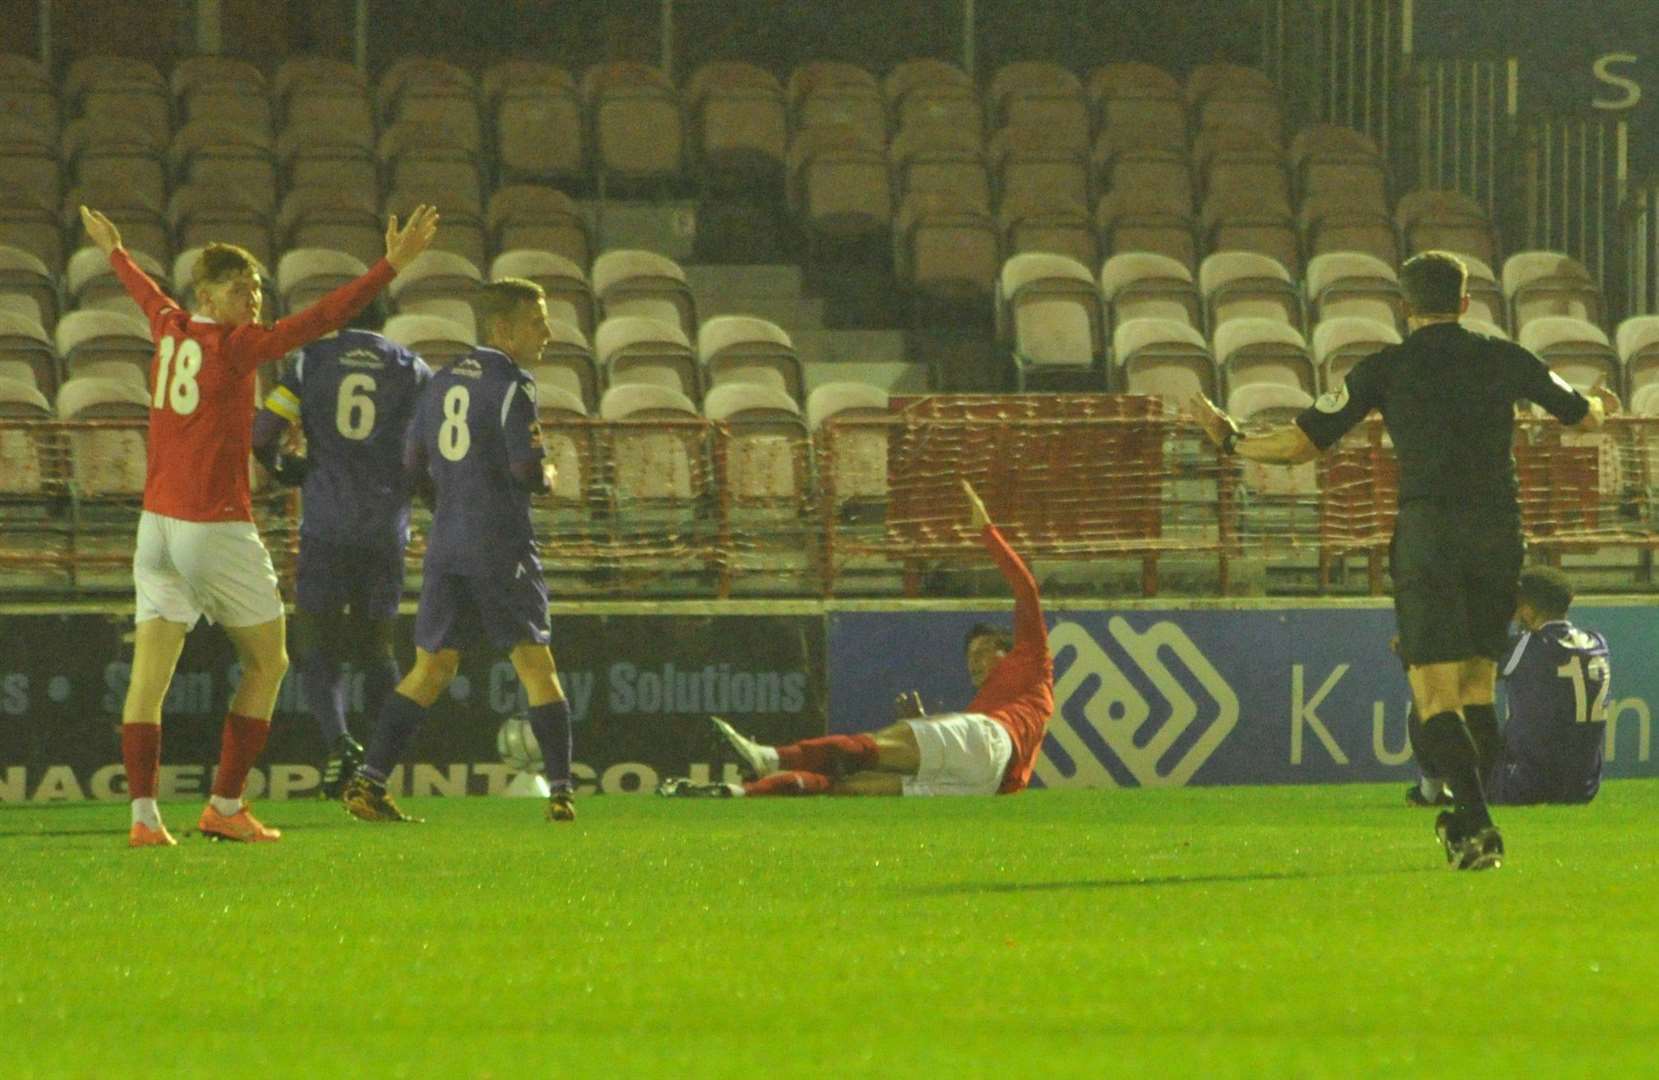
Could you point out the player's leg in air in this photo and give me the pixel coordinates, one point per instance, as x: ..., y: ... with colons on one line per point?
x: 876, y: 763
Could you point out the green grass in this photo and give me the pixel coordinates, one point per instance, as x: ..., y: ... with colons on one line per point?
x: 1215, y: 932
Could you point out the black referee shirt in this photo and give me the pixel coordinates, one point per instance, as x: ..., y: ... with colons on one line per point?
x: 1447, y: 396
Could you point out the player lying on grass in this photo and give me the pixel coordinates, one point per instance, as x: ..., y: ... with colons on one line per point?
x: 987, y: 749
x: 198, y: 552
x: 477, y: 446
x: 353, y: 394
x: 1556, y: 680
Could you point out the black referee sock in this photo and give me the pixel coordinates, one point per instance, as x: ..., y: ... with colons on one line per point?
x: 1482, y: 721
x: 1447, y: 741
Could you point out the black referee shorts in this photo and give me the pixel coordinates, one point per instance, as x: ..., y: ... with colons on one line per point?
x: 1456, y: 570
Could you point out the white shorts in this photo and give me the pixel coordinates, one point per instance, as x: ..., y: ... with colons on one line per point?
x: 182, y: 570
x: 962, y: 754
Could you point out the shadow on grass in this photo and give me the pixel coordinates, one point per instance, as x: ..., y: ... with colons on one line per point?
x: 960, y: 888
x: 182, y: 834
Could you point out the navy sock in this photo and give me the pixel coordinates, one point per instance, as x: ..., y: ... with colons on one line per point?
x: 325, y: 692
x: 551, y: 723
x: 1483, y: 729
x: 380, y: 674
x: 399, y: 720
x: 1447, y: 740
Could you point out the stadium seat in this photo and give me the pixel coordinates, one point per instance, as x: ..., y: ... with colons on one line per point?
x: 1432, y: 219
x: 1250, y: 350
x: 767, y: 458
x: 634, y: 114
x: 1241, y: 160
x: 563, y: 417
x: 1267, y: 402
x: 435, y: 275
x: 569, y: 297
x: 938, y: 160
x: 1328, y: 158
x: 838, y: 183
x: 1164, y: 358
x: 929, y: 91
x: 1576, y: 350
x: 437, y: 340
x: 463, y: 231
x: 1048, y: 309
x: 451, y: 107
x: 567, y: 364
x: 303, y: 275
x: 1343, y: 221
x: 1145, y: 162
x: 184, y: 268
x: 115, y: 86
x: 26, y: 93
x: 737, y: 348
x: 28, y: 159
x: 1482, y: 326
x: 309, y: 88
x: 1239, y: 219
x: 21, y: 471
x: 89, y: 335
x: 1637, y: 340
x: 853, y: 462
x: 739, y: 123
x: 1485, y: 294
x: 655, y: 470
x: 329, y: 152
x: 827, y: 93
x: 1038, y: 221
x: 105, y: 462
x: 628, y: 282
x: 1247, y: 284
x: 28, y: 223
x: 524, y: 216
x: 1038, y: 95
x: 540, y: 134
x: 416, y: 75
x: 1342, y: 341
x: 143, y: 223
x: 22, y: 305
x: 417, y: 156
x: 90, y: 282
x: 111, y: 149
x: 1142, y: 285
x: 227, y: 89
x: 639, y: 349
x: 1351, y: 283
x: 945, y: 252
x: 1538, y: 284
x: 1227, y: 95
x: 1036, y: 162
x: 202, y: 213
x: 342, y: 219
x: 24, y: 272
x: 25, y: 342
x: 450, y: 308
x: 1136, y: 94
x: 1143, y: 219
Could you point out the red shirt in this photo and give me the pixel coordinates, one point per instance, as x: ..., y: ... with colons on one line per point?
x: 202, y: 401
x: 1019, y: 692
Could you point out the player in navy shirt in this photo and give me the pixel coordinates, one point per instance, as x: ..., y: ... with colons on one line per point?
x: 1556, y: 681
x: 477, y: 443
x: 353, y: 394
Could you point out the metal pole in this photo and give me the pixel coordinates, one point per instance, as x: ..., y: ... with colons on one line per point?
x: 968, y: 20
x: 45, y: 21
x: 210, y: 37
x: 360, y: 36
x: 665, y: 59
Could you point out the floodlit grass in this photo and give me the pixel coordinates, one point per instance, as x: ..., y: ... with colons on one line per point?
x: 1247, y: 932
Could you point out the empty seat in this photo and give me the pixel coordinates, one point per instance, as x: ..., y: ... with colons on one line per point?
x: 26, y: 93
x: 91, y: 335
x: 1542, y: 283
x: 569, y: 297
x: 654, y: 466
x: 29, y: 160
x: 827, y: 93
x: 452, y: 308
x: 90, y: 282
x: 304, y: 275
x: 945, y: 251
x: 1576, y: 350
x: 1036, y: 162
x: 847, y: 422
x: 1134, y: 220
x: 527, y: 216
x: 300, y: 78
x: 28, y: 223
x: 539, y: 130
x: 1343, y: 341
x: 1637, y: 340
x: 1141, y: 159
x: 1241, y: 162
x: 344, y: 219
x: 1040, y: 221
x: 1331, y: 158
x: 1226, y: 95
x: 1143, y: 285
x: 1484, y: 326
x: 1236, y: 219
x: 25, y: 272
x: 1136, y: 94
x: 228, y: 157
x: 1340, y: 221
x: 438, y: 340
x: 416, y: 155
x: 629, y: 282
x: 1264, y: 350
x: 634, y: 114
x: 1164, y: 358
x: 106, y: 462
x: 1433, y: 219
x: 838, y: 183
x: 112, y: 86
x: 452, y: 107
x: 1266, y: 404
x: 1038, y: 95
x: 435, y: 275
x: 635, y: 349
x: 1243, y: 284
x: 201, y: 214
x: 416, y: 75
x: 143, y: 222
x: 324, y: 151
x: 739, y: 121
x: 1486, y: 300
x: 112, y: 149
x: 738, y: 348
x: 23, y: 341
x: 765, y: 457
x: 21, y: 465
x: 21, y: 304
x: 1353, y: 284
x: 564, y: 420
x: 1048, y: 309
x: 939, y: 160
x: 567, y: 362
x: 928, y: 91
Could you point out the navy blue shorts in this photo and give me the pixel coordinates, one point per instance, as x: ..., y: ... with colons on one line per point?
x: 458, y: 611
x: 332, y: 576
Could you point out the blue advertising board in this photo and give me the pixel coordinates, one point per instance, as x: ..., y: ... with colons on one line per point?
x: 1169, y: 696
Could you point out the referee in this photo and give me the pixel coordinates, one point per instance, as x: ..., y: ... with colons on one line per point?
x: 1447, y: 396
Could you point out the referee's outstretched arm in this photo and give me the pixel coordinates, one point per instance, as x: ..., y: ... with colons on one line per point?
x: 1284, y: 445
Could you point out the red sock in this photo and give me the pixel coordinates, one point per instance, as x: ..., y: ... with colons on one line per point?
x: 790, y: 783
x: 141, y: 753
x: 239, y: 747
x: 830, y: 754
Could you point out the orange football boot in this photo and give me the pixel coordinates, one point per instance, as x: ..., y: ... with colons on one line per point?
x: 144, y: 836
x: 241, y: 826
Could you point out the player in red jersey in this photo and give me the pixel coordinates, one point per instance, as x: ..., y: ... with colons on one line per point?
x: 198, y: 552
x: 989, y: 748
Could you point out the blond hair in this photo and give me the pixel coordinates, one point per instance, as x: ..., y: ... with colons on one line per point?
x: 499, y: 299
x: 220, y: 263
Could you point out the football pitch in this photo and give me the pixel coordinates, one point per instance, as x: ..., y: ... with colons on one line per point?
x: 1305, y: 931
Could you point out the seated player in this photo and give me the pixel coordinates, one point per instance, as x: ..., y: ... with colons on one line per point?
x: 988, y: 749
x: 477, y: 443
x: 353, y: 394
x: 1556, y: 679
x: 198, y: 551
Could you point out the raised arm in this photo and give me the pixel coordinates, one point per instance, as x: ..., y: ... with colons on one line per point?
x: 1029, y: 628
x: 1285, y: 445
x: 102, y: 232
